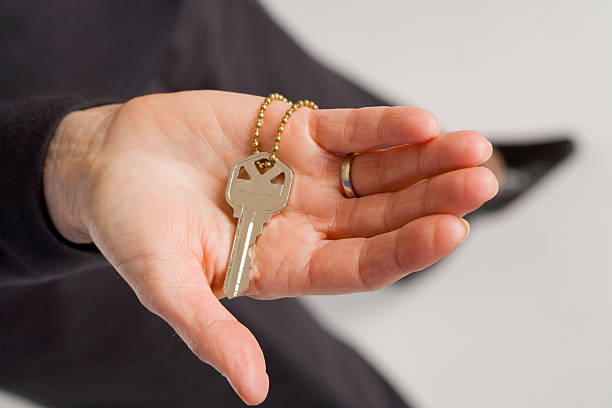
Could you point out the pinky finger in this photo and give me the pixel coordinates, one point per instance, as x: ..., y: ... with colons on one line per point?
x: 361, y: 264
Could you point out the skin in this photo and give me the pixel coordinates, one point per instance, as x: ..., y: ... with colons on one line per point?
x: 145, y: 182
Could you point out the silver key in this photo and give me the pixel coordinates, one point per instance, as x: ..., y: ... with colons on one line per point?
x: 254, y: 199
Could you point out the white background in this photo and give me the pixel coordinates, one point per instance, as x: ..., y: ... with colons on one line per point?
x: 521, y: 314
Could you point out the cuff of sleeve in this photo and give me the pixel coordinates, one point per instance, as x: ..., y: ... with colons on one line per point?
x: 31, y: 249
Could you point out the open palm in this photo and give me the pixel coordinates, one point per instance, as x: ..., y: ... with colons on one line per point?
x: 156, y: 208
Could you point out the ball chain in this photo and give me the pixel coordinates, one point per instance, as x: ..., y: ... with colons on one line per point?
x: 259, y: 123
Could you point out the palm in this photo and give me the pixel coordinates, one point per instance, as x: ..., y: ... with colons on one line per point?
x: 159, y: 213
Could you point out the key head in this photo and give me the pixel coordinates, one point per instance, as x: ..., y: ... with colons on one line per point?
x: 258, y: 190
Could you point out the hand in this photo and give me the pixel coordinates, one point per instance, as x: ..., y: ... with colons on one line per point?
x: 145, y: 182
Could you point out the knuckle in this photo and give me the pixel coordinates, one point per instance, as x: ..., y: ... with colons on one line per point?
x: 429, y: 198
x: 312, y: 124
x: 150, y: 292
x: 141, y: 109
x: 371, y: 276
x: 349, y: 133
x: 138, y: 104
x: 150, y: 280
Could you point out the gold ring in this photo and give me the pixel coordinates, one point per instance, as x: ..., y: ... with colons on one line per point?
x: 345, y: 176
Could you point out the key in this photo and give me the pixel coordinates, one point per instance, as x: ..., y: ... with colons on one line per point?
x: 255, y: 199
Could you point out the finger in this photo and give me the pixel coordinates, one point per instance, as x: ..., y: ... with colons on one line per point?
x: 181, y: 295
x: 393, y: 169
x: 457, y: 192
x: 358, y: 130
x: 360, y: 264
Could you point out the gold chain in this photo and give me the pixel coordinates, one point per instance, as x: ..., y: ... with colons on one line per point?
x: 259, y: 123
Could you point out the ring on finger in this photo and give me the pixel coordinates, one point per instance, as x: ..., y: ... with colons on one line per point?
x: 345, y: 176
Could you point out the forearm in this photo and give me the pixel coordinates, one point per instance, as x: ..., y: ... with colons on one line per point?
x: 75, y: 142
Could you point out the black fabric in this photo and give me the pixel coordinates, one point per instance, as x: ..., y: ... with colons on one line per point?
x: 82, y: 47
x: 234, y: 45
x: 31, y: 250
x: 72, y: 333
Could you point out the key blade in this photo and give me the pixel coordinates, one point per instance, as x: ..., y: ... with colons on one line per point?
x: 236, y: 276
x: 254, y: 199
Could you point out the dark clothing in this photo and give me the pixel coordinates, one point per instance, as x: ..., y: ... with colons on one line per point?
x: 72, y: 332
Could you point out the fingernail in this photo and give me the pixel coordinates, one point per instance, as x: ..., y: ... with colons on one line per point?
x: 466, y: 225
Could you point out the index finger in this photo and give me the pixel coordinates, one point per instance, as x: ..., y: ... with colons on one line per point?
x: 357, y: 130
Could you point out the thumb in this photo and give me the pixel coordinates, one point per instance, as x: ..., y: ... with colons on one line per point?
x: 187, y: 303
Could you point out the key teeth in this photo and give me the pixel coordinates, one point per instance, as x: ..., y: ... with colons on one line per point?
x: 243, y: 287
x: 229, y: 285
x: 231, y: 293
x: 266, y: 217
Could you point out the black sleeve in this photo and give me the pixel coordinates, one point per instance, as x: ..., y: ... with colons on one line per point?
x: 31, y: 249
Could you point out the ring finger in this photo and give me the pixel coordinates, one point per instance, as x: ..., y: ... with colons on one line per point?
x: 393, y: 169
x: 457, y: 192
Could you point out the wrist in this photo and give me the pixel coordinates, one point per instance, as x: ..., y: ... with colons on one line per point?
x: 74, y: 145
